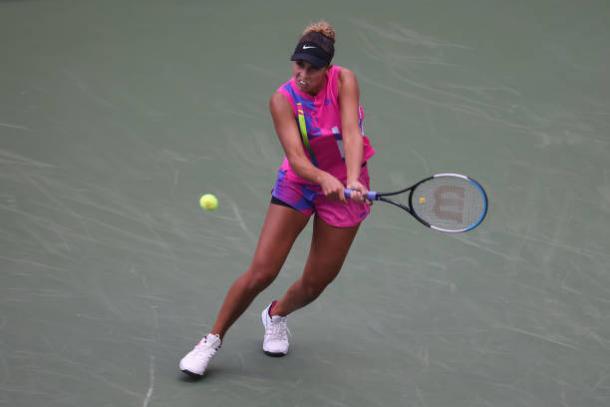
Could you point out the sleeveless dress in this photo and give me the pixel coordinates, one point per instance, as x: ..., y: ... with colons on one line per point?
x: 319, y: 117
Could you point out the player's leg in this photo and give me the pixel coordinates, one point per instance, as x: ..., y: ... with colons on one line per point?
x: 329, y: 248
x: 335, y: 226
x: 281, y: 227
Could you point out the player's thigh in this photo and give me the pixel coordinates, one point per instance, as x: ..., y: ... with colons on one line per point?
x: 280, y: 229
x: 329, y: 248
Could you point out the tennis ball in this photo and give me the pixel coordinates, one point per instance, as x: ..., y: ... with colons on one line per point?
x: 208, y: 202
x: 422, y: 200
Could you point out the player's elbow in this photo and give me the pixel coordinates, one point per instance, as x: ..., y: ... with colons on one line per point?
x: 298, y: 163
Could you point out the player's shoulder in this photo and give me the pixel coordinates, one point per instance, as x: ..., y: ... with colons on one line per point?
x: 346, y: 77
x: 347, y: 80
x: 343, y: 72
x: 279, y: 102
x: 279, y: 96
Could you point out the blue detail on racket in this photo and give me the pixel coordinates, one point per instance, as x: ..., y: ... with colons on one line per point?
x: 450, y: 203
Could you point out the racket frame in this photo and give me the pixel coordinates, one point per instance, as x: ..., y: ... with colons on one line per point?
x: 381, y: 196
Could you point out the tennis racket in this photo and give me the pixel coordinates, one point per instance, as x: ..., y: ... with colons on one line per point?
x: 450, y: 203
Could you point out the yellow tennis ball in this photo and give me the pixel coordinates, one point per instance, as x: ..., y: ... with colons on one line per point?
x: 208, y: 202
x: 422, y: 200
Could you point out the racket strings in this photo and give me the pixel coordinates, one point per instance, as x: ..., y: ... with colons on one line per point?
x: 449, y: 203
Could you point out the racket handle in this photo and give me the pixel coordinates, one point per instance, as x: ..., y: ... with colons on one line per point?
x: 371, y: 195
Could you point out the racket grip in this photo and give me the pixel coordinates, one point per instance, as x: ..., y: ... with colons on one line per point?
x: 371, y: 195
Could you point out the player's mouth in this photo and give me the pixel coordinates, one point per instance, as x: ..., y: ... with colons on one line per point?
x: 302, y: 84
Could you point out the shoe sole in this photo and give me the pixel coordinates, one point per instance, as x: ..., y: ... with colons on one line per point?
x: 191, y: 374
x: 274, y: 355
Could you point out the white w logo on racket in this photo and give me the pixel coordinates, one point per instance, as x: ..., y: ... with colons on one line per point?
x: 447, y: 197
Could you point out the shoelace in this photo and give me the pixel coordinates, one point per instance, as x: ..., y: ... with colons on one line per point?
x: 278, y: 329
x: 204, y: 348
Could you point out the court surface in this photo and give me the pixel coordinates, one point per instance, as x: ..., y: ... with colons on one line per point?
x: 115, y: 116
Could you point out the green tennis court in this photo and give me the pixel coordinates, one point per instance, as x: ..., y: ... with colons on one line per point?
x: 115, y: 116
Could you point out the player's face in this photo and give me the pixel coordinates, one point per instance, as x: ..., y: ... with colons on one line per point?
x: 308, y: 78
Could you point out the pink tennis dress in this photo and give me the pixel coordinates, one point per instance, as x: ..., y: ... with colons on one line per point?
x: 321, y: 116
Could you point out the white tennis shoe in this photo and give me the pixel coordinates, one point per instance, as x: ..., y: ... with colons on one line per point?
x: 196, y: 361
x: 275, y: 342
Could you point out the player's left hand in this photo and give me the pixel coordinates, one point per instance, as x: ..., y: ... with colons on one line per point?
x: 358, y: 191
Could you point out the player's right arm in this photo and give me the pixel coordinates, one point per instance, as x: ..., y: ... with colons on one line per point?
x: 288, y: 133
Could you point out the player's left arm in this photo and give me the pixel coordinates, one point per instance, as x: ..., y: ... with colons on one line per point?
x: 349, y: 101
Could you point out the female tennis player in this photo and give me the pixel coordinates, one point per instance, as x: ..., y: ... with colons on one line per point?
x: 319, y: 122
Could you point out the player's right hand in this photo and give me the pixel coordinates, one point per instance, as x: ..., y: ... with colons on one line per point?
x: 332, y: 188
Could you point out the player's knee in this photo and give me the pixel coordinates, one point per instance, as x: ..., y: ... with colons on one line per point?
x: 260, y: 276
x: 260, y: 281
